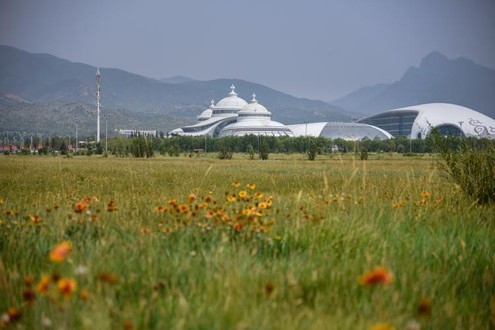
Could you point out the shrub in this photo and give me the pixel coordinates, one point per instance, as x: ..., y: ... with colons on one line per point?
x: 225, y: 152
x: 471, y: 166
x: 364, y: 154
x: 313, y: 149
x: 264, y: 150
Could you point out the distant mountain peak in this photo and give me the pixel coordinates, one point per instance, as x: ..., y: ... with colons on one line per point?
x: 433, y: 59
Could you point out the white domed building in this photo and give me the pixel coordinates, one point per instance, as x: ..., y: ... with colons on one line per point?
x: 449, y: 119
x: 255, y: 119
x: 233, y: 116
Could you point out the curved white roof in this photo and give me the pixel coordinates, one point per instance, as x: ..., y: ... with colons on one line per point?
x: 231, y: 102
x: 337, y: 130
x: 206, y: 114
x: 424, y: 117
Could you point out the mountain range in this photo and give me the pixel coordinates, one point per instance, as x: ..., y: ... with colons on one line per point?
x: 437, y: 79
x: 41, y: 84
x: 45, y: 94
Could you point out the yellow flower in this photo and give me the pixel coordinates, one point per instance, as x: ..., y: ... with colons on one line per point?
x: 251, y: 186
x: 231, y: 198
x: 43, y: 284
x: 242, y: 193
x: 236, y: 184
x: 263, y: 205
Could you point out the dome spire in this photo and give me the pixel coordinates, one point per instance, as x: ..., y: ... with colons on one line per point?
x: 254, y: 100
x: 212, y: 103
x: 232, y: 90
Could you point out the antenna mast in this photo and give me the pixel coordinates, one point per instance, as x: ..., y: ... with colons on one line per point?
x: 98, y: 105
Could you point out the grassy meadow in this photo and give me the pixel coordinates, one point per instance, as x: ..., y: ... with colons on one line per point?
x: 201, y: 243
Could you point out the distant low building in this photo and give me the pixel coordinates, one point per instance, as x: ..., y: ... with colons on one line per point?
x: 135, y: 132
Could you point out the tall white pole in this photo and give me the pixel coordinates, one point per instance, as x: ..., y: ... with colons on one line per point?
x: 98, y: 105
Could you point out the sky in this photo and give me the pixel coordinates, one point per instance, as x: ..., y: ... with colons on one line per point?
x: 319, y: 49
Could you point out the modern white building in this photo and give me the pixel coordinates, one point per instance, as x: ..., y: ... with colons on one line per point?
x: 449, y: 119
x: 233, y: 116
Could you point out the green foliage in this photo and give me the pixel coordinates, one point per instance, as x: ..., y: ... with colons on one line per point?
x: 264, y: 149
x: 225, y: 152
x: 470, y: 165
x: 313, y: 149
x: 250, y: 151
x: 364, y: 154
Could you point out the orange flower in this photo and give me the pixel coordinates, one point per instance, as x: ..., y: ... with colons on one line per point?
x: 66, y: 287
x: 94, y: 217
x: 43, y: 284
x: 128, y: 325
x: 425, y: 194
x: 145, y: 230
x: 191, y: 198
x: 251, y: 186
x: 183, y: 208
x: 379, y: 275
x: 108, y: 278
x: 111, y: 206
x: 208, y: 198
x: 382, y: 326
x: 236, y: 184
x: 61, y: 251
x: 238, y: 226
x: 269, y: 287
x: 81, y: 206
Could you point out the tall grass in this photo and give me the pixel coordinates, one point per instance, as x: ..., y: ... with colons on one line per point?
x: 330, y: 222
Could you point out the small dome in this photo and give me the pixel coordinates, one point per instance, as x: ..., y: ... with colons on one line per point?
x: 232, y: 101
x: 254, y: 109
x: 206, y: 114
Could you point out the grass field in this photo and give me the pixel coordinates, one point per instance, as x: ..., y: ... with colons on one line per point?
x: 200, y: 243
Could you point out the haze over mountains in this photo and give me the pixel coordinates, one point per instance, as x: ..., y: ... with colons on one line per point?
x: 437, y: 79
x: 43, y: 93
x: 29, y: 81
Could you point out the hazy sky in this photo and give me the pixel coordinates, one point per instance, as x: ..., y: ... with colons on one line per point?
x: 314, y: 48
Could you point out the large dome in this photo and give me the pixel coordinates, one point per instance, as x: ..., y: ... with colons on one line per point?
x: 449, y: 119
x: 231, y: 102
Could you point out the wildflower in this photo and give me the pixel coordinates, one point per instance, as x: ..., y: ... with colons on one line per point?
x: 425, y: 194
x: 43, y: 284
x: 208, y: 198
x: 13, y: 314
x: 128, y: 325
x: 80, y: 207
x: 263, y: 205
x: 107, y: 278
x: 424, y: 307
x: 172, y: 202
x: 28, y: 280
x: 160, y: 208
x: 29, y: 296
x: 84, y: 294
x: 379, y: 275
x: 111, y: 206
x: 238, y: 226
x: 231, y: 198
x: 61, y: 251
x: 246, y: 211
x: 1, y: 201
x: 145, y: 230
x: 251, y: 186
x: 94, y: 217
x: 183, y: 208
x: 34, y: 218
x: 259, y: 195
x: 242, y: 193
x: 66, y: 287
x: 382, y: 326
x: 269, y: 287
x: 209, y: 214
x: 236, y: 184
x: 191, y: 198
